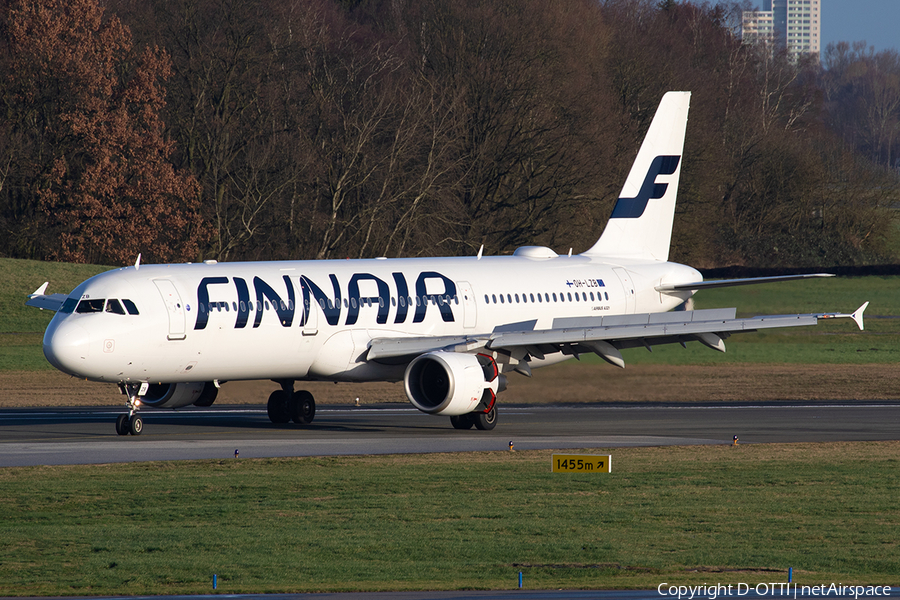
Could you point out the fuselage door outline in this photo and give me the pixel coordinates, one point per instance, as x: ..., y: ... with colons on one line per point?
x: 174, y: 308
x: 627, y: 287
x: 467, y: 299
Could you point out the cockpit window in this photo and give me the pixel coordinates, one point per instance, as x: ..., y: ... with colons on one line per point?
x: 90, y: 306
x: 115, y: 307
x: 130, y: 307
x: 69, y: 305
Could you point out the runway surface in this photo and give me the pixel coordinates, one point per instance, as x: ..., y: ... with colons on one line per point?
x: 87, y: 435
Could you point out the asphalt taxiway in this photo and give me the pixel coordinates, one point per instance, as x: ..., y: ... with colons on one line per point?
x: 87, y: 435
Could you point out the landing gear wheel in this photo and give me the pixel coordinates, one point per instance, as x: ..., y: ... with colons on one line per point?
x: 278, y: 408
x: 122, y: 425
x: 302, y: 408
x: 485, y: 421
x: 461, y: 422
x: 136, y: 426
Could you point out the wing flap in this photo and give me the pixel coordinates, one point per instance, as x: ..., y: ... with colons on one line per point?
x: 649, y: 330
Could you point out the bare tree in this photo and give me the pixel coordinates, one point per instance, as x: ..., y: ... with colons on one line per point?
x: 99, y: 165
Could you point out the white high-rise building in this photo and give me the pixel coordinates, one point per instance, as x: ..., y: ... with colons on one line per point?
x: 794, y: 24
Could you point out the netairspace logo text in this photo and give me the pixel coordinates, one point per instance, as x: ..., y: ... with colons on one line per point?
x: 775, y: 590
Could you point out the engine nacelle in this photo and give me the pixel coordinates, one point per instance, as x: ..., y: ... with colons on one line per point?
x: 451, y: 384
x: 177, y: 395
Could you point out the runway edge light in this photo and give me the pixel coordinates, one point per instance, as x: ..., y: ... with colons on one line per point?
x: 581, y: 463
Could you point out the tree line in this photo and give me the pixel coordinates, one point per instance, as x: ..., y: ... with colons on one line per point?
x: 315, y: 129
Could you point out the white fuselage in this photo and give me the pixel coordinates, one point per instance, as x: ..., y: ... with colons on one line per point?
x: 314, y: 320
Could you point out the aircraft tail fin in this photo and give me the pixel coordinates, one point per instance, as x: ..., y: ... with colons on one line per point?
x: 641, y: 223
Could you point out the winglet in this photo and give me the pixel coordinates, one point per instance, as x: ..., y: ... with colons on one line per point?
x: 41, y: 290
x: 857, y: 316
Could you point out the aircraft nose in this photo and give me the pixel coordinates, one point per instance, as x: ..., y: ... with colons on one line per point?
x: 66, y: 346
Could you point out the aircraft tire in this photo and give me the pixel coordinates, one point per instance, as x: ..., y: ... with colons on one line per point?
x: 461, y: 422
x: 278, y: 407
x: 485, y: 421
x: 122, y: 425
x: 136, y: 425
x: 302, y: 408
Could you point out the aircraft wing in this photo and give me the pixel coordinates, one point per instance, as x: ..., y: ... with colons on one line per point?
x: 45, y: 301
x: 606, y: 336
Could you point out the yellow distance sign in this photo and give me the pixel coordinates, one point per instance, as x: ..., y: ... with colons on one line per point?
x: 581, y: 463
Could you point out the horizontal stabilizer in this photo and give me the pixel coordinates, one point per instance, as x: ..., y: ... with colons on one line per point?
x: 720, y: 283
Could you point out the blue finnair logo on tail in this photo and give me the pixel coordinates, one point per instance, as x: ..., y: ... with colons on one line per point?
x: 632, y: 208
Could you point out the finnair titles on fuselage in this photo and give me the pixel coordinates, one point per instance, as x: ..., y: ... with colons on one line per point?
x: 450, y: 328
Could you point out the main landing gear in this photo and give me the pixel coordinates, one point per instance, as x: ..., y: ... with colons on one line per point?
x: 484, y: 421
x: 131, y: 423
x: 287, y: 405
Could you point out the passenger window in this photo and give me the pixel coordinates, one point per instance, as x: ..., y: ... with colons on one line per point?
x: 90, y: 306
x: 570, y: 296
x: 547, y: 297
x: 606, y: 294
x: 115, y: 307
x: 554, y: 296
x: 509, y: 298
x: 495, y: 298
x: 532, y: 297
x: 501, y: 298
x: 486, y: 301
x: 592, y: 296
x: 539, y: 298
x: 517, y: 298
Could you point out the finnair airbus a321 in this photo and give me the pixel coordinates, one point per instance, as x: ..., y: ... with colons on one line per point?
x: 449, y: 328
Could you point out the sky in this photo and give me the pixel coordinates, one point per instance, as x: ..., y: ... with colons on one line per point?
x: 875, y: 21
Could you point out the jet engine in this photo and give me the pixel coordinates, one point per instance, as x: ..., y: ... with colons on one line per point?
x: 452, y: 384
x: 177, y: 395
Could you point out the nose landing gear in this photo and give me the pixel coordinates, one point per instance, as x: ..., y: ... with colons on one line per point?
x: 131, y: 423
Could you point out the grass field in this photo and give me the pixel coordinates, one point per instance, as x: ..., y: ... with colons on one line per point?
x: 714, y: 514
x: 698, y: 515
